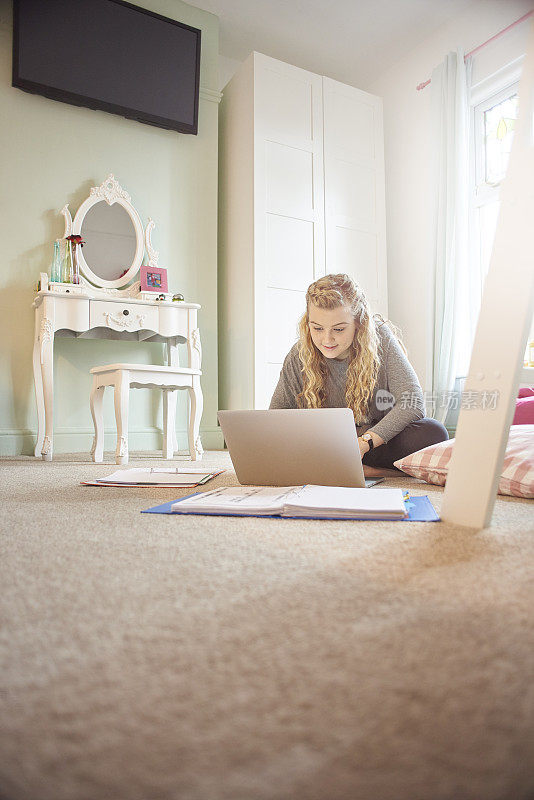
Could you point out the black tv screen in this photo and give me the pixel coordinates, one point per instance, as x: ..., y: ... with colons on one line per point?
x: 109, y: 55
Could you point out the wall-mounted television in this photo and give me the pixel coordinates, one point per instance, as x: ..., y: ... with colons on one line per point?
x: 109, y: 55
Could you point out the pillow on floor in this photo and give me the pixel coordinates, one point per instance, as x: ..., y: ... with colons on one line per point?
x: 431, y: 464
x: 524, y: 408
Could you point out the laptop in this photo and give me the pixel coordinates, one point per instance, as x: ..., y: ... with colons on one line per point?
x: 291, y: 447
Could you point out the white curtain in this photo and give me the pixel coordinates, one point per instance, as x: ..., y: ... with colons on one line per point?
x: 449, y: 88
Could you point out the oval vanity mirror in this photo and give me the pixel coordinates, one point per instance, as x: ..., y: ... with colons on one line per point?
x: 110, y: 241
x: 113, y: 235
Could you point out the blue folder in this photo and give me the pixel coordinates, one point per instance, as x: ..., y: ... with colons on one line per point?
x: 419, y: 509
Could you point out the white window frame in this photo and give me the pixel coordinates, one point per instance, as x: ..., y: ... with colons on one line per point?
x: 485, y: 192
x: 484, y: 96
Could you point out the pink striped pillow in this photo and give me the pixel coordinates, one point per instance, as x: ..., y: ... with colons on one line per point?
x: 431, y: 464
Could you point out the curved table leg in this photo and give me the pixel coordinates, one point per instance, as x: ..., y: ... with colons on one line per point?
x: 122, y: 396
x: 46, y: 336
x: 194, y: 359
x: 196, y: 404
x: 96, y: 403
x: 38, y: 383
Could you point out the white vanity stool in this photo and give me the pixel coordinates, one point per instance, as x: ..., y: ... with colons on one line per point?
x: 137, y: 376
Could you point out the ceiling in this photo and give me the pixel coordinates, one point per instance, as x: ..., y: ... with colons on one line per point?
x: 353, y: 41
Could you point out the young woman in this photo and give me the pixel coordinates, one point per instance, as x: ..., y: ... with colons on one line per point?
x: 347, y: 358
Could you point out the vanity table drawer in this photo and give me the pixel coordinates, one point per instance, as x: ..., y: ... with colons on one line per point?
x: 123, y: 316
x: 174, y: 320
x: 69, y: 314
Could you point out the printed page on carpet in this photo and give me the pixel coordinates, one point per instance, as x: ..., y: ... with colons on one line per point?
x: 173, y: 478
x: 310, y: 502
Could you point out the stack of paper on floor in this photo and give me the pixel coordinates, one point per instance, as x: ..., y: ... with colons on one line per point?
x: 318, y: 502
x: 172, y: 477
x: 340, y: 502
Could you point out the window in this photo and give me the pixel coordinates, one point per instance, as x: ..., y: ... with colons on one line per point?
x: 493, y: 131
x: 494, y: 111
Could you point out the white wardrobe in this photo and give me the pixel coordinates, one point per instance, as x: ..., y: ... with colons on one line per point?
x: 301, y: 194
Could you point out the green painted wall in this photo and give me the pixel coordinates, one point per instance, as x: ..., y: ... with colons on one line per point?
x: 51, y: 154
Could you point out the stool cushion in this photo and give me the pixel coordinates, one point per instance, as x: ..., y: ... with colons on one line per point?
x: 145, y: 368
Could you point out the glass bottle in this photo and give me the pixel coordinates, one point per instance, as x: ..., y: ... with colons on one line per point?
x: 55, y: 269
x: 76, y: 265
x: 67, y: 263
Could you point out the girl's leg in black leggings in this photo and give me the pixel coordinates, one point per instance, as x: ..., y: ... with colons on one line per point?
x: 415, y: 436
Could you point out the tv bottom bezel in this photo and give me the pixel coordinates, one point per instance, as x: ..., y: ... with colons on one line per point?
x: 83, y: 101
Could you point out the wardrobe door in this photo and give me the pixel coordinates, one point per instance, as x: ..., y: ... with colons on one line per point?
x: 355, y: 219
x: 288, y: 209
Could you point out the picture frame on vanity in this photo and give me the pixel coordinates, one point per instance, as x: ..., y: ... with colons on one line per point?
x: 153, y: 279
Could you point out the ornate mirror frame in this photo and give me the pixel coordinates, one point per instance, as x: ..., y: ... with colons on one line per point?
x: 112, y: 192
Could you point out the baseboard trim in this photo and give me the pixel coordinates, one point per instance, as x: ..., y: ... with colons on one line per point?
x: 21, y: 442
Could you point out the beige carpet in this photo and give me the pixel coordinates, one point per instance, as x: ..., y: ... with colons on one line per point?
x: 171, y: 658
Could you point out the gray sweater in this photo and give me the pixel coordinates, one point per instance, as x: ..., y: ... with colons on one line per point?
x: 387, y: 417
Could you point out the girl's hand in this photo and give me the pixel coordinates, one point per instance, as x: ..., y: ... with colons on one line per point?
x: 364, y: 447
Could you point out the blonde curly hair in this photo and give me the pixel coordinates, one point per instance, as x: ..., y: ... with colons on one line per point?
x: 333, y: 291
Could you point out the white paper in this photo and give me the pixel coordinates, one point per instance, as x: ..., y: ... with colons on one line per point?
x: 262, y: 500
x: 298, y: 501
x: 157, y: 475
x: 345, y: 501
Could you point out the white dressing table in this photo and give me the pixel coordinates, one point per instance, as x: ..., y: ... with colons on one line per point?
x: 99, y: 309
